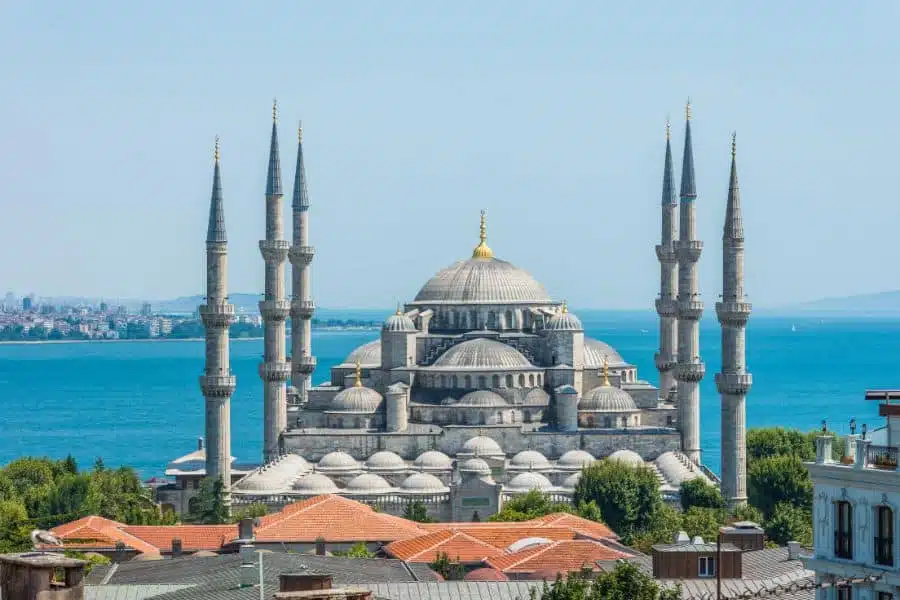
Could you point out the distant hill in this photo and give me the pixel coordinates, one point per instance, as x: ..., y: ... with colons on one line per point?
x: 877, y: 304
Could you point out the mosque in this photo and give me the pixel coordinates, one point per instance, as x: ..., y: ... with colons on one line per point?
x: 479, y: 388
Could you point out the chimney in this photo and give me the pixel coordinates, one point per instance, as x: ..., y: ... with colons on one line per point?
x: 29, y: 576
x: 199, y: 443
x: 304, y: 582
x: 176, y: 547
x: 793, y: 550
x: 245, y: 529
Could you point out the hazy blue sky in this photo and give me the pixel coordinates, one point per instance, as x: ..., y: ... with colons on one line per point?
x: 418, y: 114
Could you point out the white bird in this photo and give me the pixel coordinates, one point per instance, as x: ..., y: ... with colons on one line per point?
x: 39, y: 537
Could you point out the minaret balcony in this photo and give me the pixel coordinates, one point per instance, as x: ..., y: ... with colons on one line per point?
x: 218, y: 386
x: 274, y: 371
x: 302, y: 309
x: 217, y: 315
x: 733, y: 312
x: 734, y: 383
x: 693, y: 371
x: 691, y: 309
x: 305, y: 365
x: 666, y: 253
x: 690, y: 250
x: 301, y: 255
x: 274, y: 250
x: 274, y: 310
x: 666, y: 307
x: 664, y: 363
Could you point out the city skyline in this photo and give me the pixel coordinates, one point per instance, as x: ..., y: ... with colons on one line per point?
x: 415, y: 118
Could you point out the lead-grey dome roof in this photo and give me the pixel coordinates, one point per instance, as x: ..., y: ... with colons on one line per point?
x: 482, y: 281
x: 482, y: 353
x: 594, y: 350
x: 356, y: 399
x: 368, y: 355
x: 398, y: 323
x: 482, y: 398
x: 607, y: 398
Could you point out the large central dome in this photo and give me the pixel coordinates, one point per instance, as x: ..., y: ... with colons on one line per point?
x: 482, y: 279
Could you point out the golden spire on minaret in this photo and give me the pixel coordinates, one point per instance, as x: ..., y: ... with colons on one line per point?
x: 274, y: 110
x: 358, y: 382
x: 216, y: 151
x: 733, y: 144
x: 482, y: 250
x: 605, y: 371
x: 687, y: 110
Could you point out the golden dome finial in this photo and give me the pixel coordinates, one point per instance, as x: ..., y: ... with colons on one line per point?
x: 274, y: 110
x: 300, y: 131
x: 687, y: 110
x: 358, y: 382
x: 733, y: 144
x: 668, y: 129
x: 482, y: 250
x: 605, y: 371
x: 216, y: 151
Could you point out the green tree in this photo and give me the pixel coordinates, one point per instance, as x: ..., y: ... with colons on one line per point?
x: 699, y: 492
x: 14, y: 527
x: 529, y: 506
x: 627, y: 496
x: 777, y: 479
x: 418, y: 512
x: 790, y: 523
x: 450, y: 570
x: 210, y: 506
x: 359, y: 550
x: 625, y: 582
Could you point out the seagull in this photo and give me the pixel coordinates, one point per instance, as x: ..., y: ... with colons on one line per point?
x: 40, y: 537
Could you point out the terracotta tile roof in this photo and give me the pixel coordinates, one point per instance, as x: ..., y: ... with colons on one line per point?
x: 584, y: 527
x: 98, y: 532
x: 336, y: 519
x: 562, y: 556
x: 193, y: 537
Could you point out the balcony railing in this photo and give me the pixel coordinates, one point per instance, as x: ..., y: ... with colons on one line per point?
x: 884, y: 550
x: 882, y: 457
x: 843, y: 544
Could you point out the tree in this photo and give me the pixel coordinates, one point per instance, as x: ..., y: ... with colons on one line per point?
x: 789, y: 523
x: 359, y: 550
x: 448, y: 569
x: 14, y: 527
x: 777, y: 479
x: 625, y: 581
x: 699, y: 492
x: 418, y: 512
x: 529, y: 506
x: 627, y: 496
x: 210, y: 506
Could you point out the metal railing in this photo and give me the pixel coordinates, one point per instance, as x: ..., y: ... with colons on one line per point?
x: 882, y: 457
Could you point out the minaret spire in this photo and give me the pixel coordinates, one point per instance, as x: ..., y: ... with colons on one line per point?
x: 666, y: 306
x: 274, y: 308
x: 689, y: 370
x: 734, y: 381
x: 217, y: 382
x: 303, y: 363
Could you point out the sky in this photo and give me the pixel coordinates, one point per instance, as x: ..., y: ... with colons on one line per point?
x: 417, y: 115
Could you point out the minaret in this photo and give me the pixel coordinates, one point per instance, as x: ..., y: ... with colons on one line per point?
x: 689, y: 370
x: 734, y: 381
x: 217, y: 314
x: 303, y: 363
x: 666, y: 306
x: 274, y: 308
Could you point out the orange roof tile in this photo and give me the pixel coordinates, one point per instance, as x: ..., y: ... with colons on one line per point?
x: 561, y: 556
x: 193, y: 537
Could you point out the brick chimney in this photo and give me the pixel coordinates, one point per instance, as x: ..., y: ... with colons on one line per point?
x: 29, y: 576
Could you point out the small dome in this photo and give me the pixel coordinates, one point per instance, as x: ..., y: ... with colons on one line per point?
x: 607, y: 398
x: 595, y: 350
x: 356, y: 399
x: 529, y: 459
x: 337, y: 461
x: 485, y: 574
x: 368, y: 483
x: 629, y: 457
x: 385, y: 460
x: 475, y: 465
x: 482, y: 353
x: 564, y: 321
x: 422, y: 483
x: 575, y: 458
x: 399, y: 323
x: 315, y: 484
x: 368, y: 355
x: 482, y: 398
x: 433, y: 460
x: 525, y: 482
x: 483, y: 446
x: 571, y: 481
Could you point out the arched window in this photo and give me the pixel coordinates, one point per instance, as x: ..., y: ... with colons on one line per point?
x: 884, y: 540
x: 468, y: 380
x: 509, y: 381
x: 521, y: 380
x: 495, y: 380
x: 607, y: 422
x: 843, y: 529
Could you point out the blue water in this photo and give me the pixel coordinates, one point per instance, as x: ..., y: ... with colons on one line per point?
x: 138, y: 403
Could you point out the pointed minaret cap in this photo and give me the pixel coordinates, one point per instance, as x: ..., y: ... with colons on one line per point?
x: 734, y: 222
x: 216, y: 230
x: 301, y: 197
x: 482, y: 250
x: 273, y: 178
x: 668, y: 187
x: 688, y: 186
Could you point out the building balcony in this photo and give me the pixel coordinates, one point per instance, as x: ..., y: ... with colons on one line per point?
x: 301, y: 255
x: 218, y: 386
x: 274, y: 310
x: 302, y: 309
x: 274, y: 371
x: 734, y: 383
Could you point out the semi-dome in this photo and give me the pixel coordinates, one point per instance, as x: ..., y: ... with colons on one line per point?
x: 529, y: 459
x: 629, y: 457
x: 368, y: 483
x: 433, y: 460
x: 315, y: 484
x: 385, y: 460
x: 564, y: 321
x: 482, y: 353
x: 595, y: 350
x: 367, y: 355
x: 571, y: 481
x: 475, y: 465
x: 337, y: 461
x: 525, y: 482
x: 482, y: 398
x: 423, y: 483
x: 482, y: 446
x: 356, y: 399
x: 399, y: 322
x: 607, y: 398
x: 575, y: 459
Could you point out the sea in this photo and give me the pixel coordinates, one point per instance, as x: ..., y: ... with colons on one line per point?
x: 138, y: 403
